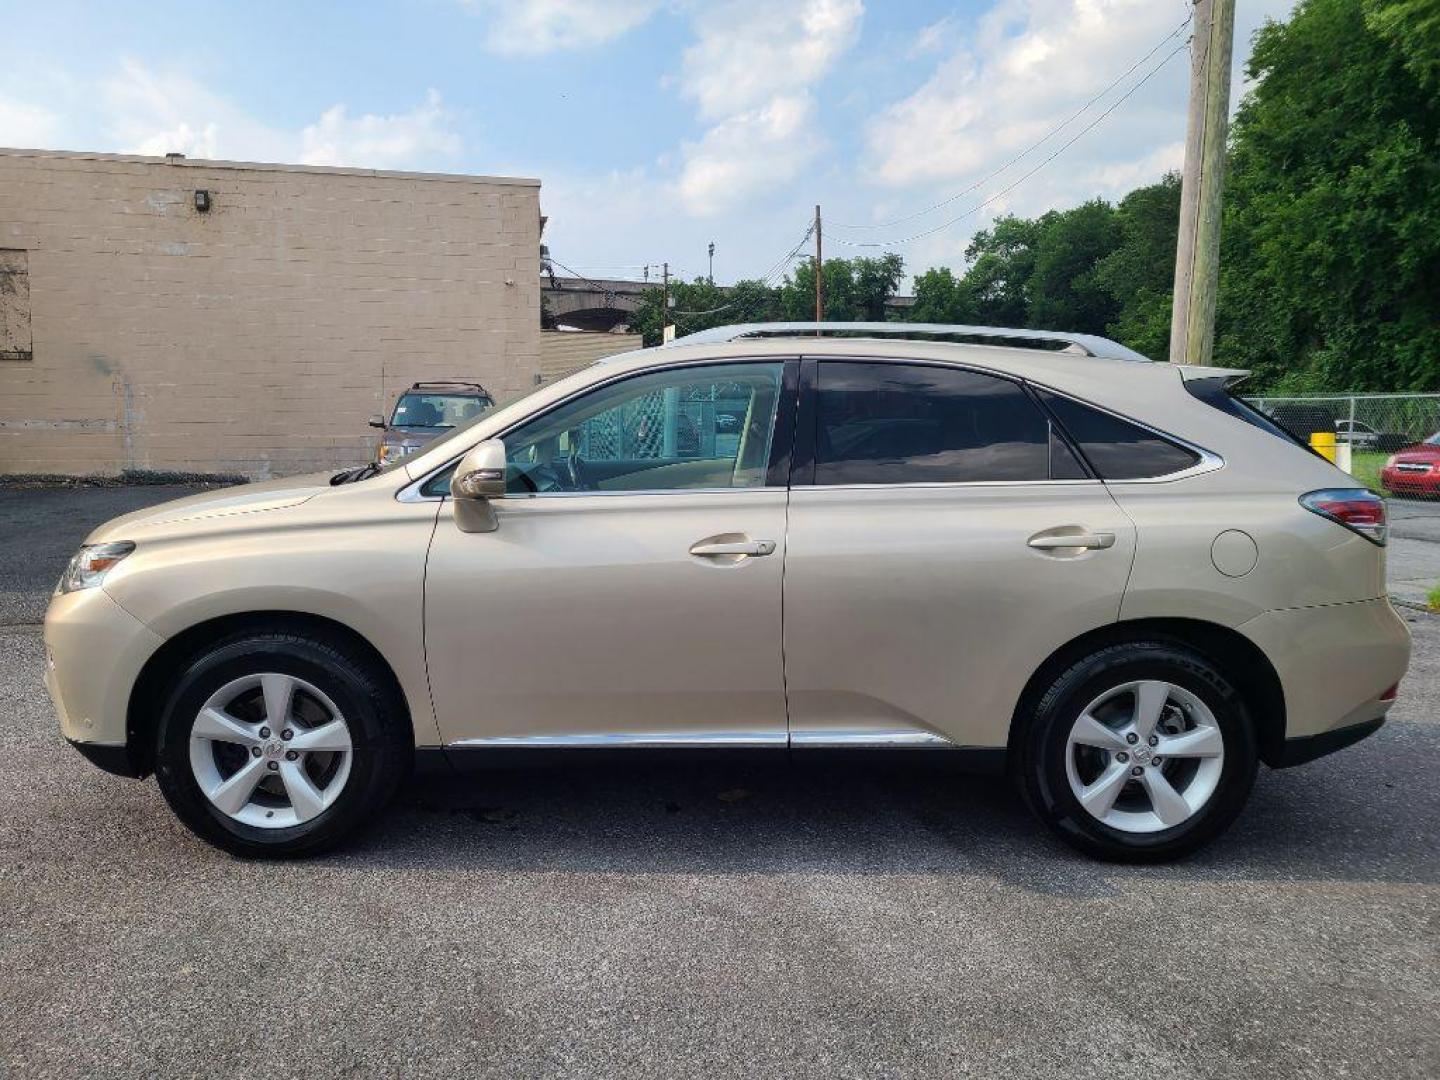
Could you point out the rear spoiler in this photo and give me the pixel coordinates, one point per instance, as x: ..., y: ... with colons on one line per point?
x: 1231, y: 376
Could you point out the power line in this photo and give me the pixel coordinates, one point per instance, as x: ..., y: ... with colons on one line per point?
x: 1029, y: 149
x: 776, y: 269
x: 1011, y: 187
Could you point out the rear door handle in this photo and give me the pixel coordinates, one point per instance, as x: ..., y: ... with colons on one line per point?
x: 708, y: 549
x: 1050, y: 541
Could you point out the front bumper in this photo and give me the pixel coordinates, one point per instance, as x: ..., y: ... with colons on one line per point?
x: 94, y: 652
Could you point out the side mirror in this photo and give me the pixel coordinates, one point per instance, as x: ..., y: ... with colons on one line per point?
x: 478, y: 478
x: 377, y: 421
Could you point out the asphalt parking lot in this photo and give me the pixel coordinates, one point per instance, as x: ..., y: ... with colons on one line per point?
x: 682, y: 919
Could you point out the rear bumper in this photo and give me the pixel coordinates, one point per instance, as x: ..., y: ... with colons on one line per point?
x: 1336, y: 662
x: 1309, y: 747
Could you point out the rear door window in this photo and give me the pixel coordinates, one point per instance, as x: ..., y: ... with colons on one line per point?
x: 1118, y: 449
x: 891, y: 423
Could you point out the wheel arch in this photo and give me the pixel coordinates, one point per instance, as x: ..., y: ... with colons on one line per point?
x: 1240, y: 658
x: 142, y: 715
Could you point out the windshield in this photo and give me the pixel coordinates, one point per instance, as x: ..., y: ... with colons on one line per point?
x: 437, y: 410
x: 1434, y: 440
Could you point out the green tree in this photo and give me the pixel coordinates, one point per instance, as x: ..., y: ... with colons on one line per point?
x: 1413, y: 27
x: 1063, y: 291
x: 1139, y: 274
x: 855, y: 289
x: 699, y: 305
x: 1330, y: 266
x: 941, y: 297
x: 1001, y: 261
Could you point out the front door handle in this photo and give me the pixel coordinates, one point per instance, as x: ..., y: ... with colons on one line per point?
x: 711, y: 549
x: 1051, y: 541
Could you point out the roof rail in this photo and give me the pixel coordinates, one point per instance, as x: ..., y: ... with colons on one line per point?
x: 1087, y: 344
x: 449, y: 384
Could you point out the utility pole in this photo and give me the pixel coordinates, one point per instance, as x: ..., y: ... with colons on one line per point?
x: 712, y: 262
x: 819, y: 273
x: 667, y: 332
x: 1197, y: 254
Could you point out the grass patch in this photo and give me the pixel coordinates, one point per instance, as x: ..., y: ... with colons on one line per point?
x: 1365, y: 466
x: 1434, y: 598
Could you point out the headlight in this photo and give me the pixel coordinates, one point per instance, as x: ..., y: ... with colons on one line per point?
x: 1390, y: 462
x: 91, y: 563
x: 394, y: 451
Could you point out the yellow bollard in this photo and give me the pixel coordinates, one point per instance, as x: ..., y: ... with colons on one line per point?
x: 1323, y: 443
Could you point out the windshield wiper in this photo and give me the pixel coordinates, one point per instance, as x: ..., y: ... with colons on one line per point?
x: 349, y: 476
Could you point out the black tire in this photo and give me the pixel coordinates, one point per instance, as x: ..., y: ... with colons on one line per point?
x: 382, y: 749
x: 1039, y: 762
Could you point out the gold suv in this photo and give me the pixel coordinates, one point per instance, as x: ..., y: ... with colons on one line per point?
x: 999, y: 546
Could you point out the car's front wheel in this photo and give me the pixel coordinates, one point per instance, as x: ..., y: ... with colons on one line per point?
x: 1139, y: 752
x: 280, y: 744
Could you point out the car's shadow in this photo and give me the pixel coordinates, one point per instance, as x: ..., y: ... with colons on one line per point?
x: 1370, y: 814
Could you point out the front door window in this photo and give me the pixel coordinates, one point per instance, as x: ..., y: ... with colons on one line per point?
x: 710, y: 426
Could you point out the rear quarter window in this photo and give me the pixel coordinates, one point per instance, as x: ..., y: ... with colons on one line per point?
x: 1118, y: 449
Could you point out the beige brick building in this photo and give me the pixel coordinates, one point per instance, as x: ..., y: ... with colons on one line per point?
x: 217, y: 317
x: 564, y: 352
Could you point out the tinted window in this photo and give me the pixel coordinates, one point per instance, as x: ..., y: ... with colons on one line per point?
x: 907, y: 424
x: 1064, y: 465
x: 1118, y: 449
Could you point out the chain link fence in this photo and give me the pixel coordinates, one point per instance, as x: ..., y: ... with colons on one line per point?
x: 1373, y: 428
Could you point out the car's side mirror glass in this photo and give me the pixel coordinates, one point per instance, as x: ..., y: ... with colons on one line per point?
x: 377, y: 421
x: 478, y: 478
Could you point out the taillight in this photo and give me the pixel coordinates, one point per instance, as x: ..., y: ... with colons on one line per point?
x: 1358, y: 510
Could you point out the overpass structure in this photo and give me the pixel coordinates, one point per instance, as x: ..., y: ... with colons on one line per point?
x: 599, y: 304
x: 602, y: 304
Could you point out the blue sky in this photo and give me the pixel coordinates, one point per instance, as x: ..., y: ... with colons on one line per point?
x: 655, y: 126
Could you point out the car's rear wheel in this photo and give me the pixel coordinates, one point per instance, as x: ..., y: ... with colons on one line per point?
x: 1139, y: 752
x: 277, y: 744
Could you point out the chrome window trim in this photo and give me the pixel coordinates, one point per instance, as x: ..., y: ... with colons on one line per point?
x: 411, y: 491
x: 943, y: 484
x: 1209, y: 460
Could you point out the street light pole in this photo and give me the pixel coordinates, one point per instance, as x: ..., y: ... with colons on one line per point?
x: 712, y: 262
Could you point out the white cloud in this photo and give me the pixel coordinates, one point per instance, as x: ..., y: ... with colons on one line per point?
x: 1030, y: 65
x: 404, y: 139
x: 159, y: 112
x: 534, y: 27
x: 750, y: 51
x: 750, y: 71
x: 748, y: 153
x: 27, y: 126
x: 1024, y: 69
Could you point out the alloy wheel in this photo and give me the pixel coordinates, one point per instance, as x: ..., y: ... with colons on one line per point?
x: 270, y: 750
x: 1144, y: 756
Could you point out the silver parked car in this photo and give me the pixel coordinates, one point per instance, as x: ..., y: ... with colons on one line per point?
x: 1106, y: 573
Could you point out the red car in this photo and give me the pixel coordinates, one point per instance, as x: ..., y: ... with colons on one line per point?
x: 1414, y: 470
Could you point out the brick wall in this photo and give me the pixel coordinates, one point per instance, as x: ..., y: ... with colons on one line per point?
x: 255, y: 338
x: 563, y: 352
